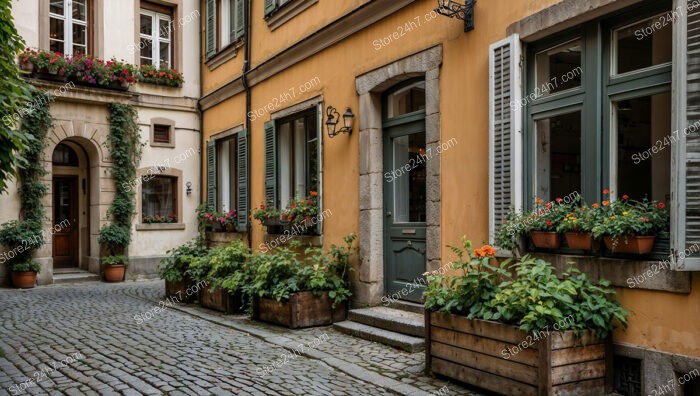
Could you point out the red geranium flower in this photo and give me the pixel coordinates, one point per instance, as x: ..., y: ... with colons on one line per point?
x: 625, y: 197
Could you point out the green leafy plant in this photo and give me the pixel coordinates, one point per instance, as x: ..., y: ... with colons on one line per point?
x: 299, y: 208
x: 53, y: 62
x: 164, y: 75
x: 266, y: 211
x: 579, y: 219
x: 27, y: 265
x: 226, y: 262
x: 174, y: 267
x: 115, y: 260
x: 526, y: 293
x: 624, y: 217
x: 115, y: 237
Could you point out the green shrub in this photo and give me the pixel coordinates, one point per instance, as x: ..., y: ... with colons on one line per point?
x: 531, y: 297
x: 25, y: 266
x: 115, y: 237
x: 174, y: 267
x: 115, y: 260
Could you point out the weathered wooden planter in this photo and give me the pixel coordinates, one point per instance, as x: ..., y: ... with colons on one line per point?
x: 582, y: 241
x: 507, y: 360
x: 221, y: 300
x: 178, y: 290
x: 302, y: 310
x: 630, y: 244
x: 545, y: 240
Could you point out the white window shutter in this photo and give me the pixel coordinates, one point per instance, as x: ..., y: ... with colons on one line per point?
x: 685, y: 169
x: 505, y: 130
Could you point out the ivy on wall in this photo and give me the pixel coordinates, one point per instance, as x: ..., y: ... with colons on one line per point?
x: 125, y: 148
x: 24, y: 236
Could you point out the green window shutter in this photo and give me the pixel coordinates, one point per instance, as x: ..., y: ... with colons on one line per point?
x: 271, y: 163
x: 685, y: 172
x: 243, y: 187
x: 238, y: 15
x: 270, y: 5
x: 210, y: 33
x: 211, y: 175
x: 505, y: 131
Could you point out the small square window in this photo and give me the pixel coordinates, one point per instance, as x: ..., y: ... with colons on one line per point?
x: 159, y: 199
x: 161, y: 133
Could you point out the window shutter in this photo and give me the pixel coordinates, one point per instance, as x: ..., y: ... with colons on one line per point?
x: 685, y: 172
x: 242, y: 204
x: 210, y: 33
x: 505, y: 131
x: 211, y: 175
x: 271, y: 163
x: 238, y: 15
x: 270, y: 5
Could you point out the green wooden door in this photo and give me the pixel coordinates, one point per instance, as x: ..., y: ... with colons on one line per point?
x: 404, y: 206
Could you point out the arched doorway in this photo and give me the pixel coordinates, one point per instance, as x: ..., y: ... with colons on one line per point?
x: 69, y: 209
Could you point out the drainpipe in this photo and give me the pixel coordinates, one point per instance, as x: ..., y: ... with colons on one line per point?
x: 246, y: 70
x: 201, y: 118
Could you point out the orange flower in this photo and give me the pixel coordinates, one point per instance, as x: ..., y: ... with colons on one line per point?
x: 549, y: 206
x: 539, y: 200
x: 485, y: 251
x: 662, y: 205
x: 595, y: 206
x: 606, y: 203
x: 479, y: 253
x: 313, y: 193
x: 606, y: 191
x: 558, y: 200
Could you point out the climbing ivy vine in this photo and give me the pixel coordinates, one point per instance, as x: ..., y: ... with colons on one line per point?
x: 125, y: 148
x: 24, y: 236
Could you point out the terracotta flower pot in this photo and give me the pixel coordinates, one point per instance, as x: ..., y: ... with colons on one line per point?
x: 114, y: 273
x: 582, y: 241
x: 630, y: 244
x: 230, y: 228
x: 23, y: 280
x: 545, y: 239
x: 27, y: 67
x: 308, y: 221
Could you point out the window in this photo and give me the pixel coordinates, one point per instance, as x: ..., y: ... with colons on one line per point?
x: 406, y: 100
x: 161, y: 133
x: 573, y: 94
x: 298, y: 169
x: 226, y: 176
x: 68, y: 26
x: 159, y: 197
x: 156, y: 35
x: 64, y: 156
x: 225, y: 24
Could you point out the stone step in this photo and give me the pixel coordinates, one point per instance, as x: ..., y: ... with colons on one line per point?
x: 407, y: 343
x: 404, y: 322
x: 407, y: 306
x: 74, y: 276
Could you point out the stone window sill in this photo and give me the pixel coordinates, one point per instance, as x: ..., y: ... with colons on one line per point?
x: 287, y: 12
x: 274, y: 240
x: 625, y: 273
x: 224, y: 55
x: 160, y: 227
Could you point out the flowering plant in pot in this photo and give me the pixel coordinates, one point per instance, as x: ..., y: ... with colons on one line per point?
x: 301, y: 211
x: 229, y: 220
x: 577, y: 225
x: 156, y: 219
x: 27, y: 59
x: 163, y: 75
x: 266, y: 214
x: 88, y: 70
x: 50, y: 62
x: 122, y: 73
x: 629, y: 226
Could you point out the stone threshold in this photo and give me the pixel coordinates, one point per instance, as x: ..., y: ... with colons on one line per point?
x: 291, y: 345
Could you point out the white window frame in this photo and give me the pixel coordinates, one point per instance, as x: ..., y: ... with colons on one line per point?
x: 155, y: 38
x: 68, y: 22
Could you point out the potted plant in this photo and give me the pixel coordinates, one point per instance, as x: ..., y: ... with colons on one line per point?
x: 122, y: 74
x: 628, y: 226
x: 23, y: 273
x: 302, y: 211
x: 88, y: 70
x: 158, y: 219
x: 213, y: 269
x: 164, y: 75
x: 115, y: 267
x: 519, y: 326
x: 229, y: 220
x: 27, y: 59
x: 267, y: 215
x: 174, y: 270
x: 50, y: 65
x: 577, y: 225
x: 298, y: 293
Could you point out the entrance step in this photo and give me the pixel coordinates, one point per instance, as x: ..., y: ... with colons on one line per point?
x: 407, y: 343
x: 407, y: 306
x: 404, y: 322
x: 73, y: 275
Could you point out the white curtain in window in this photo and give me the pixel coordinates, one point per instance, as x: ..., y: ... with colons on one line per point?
x: 285, y: 164
x: 299, y: 158
x: 224, y: 173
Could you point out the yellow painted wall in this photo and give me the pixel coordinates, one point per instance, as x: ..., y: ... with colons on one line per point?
x: 659, y: 320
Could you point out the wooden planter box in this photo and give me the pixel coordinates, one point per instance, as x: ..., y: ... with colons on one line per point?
x: 178, y: 290
x: 221, y: 300
x: 302, y: 310
x: 491, y: 355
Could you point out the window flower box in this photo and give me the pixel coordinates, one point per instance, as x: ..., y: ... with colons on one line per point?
x: 545, y: 239
x: 579, y: 240
x: 164, y: 75
x: 630, y: 244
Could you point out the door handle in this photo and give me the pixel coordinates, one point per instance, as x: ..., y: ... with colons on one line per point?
x: 388, y: 214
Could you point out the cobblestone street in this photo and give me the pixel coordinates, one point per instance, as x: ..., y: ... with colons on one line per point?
x: 85, y: 339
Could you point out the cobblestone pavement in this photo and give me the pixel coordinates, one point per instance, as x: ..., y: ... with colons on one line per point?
x: 84, y: 339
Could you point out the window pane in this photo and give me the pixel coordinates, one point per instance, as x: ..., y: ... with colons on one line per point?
x: 56, y: 46
x: 146, y: 25
x: 165, y: 53
x: 79, y: 10
x: 146, y: 61
x: 410, y: 187
x: 56, y: 29
x: 79, y: 34
x: 406, y: 100
x: 645, y: 44
x: 644, y: 147
x: 312, y: 153
x: 79, y: 49
x: 158, y: 197
x: 146, y: 48
x: 164, y: 30
x: 286, y: 163
x: 161, y: 133
x: 558, y: 156
x: 56, y: 7
x: 225, y: 174
x: 558, y: 69
x: 300, y: 189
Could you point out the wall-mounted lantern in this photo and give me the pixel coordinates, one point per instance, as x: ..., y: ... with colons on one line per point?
x: 455, y: 9
x: 334, y: 118
x: 189, y: 188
